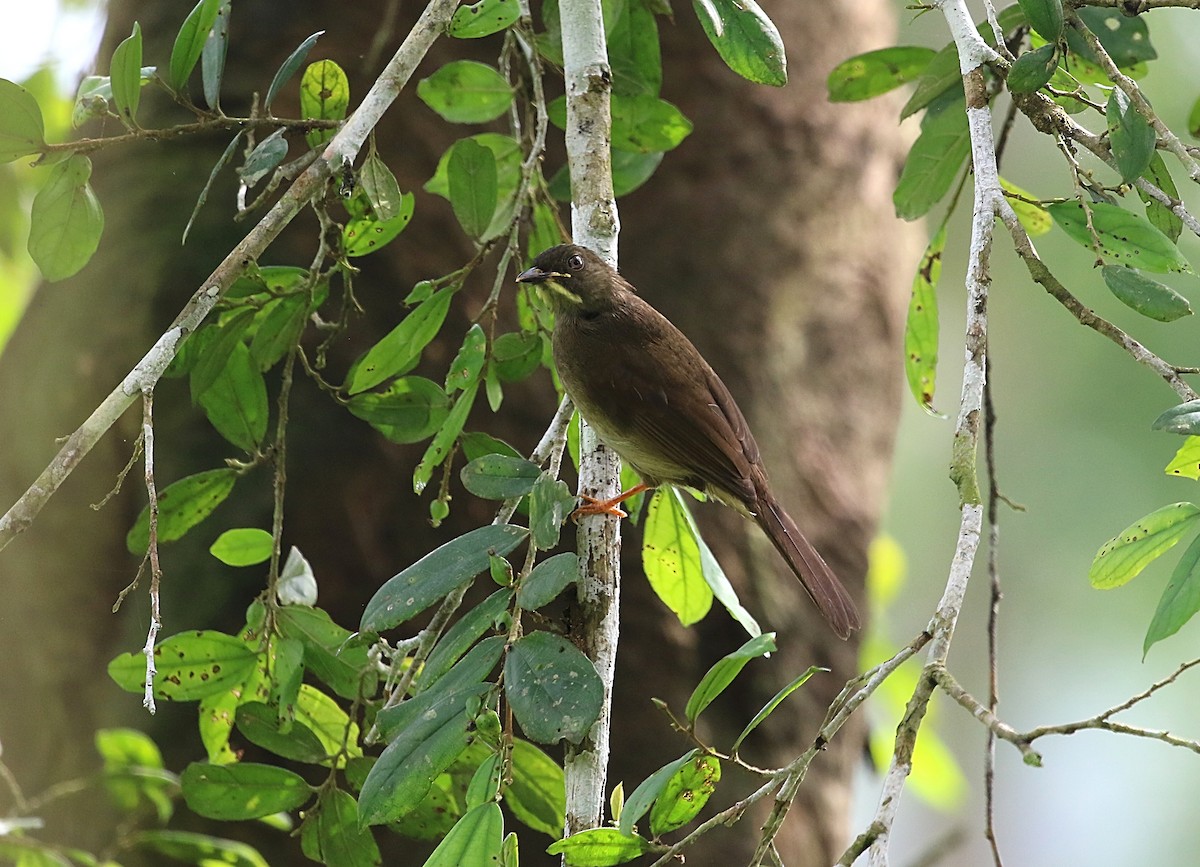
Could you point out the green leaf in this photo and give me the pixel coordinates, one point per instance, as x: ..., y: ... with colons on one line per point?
x: 516, y: 354
x: 66, y: 221
x: 242, y: 791
x: 1181, y: 419
x: 1186, y: 462
x: 265, y: 157
x: 1123, y: 236
x: 685, y: 794
x: 1130, y: 135
x: 941, y: 75
x: 465, y: 91
x: 125, y: 76
x: 600, y: 847
x: 331, y: 833
x: 483, y: 18
x: 1045, y: 17
x: 476, y: 838
x: 22, y: 131
x: 499, y: 477
x: 1180, y: 600
x: 433, y: 576
x: 770, y: 706
x: 409, y: 410
x: 1193, y: 120
x: 671, y: 559
x: 485, y: 783
x: 459, y: 637
x: 552, y: 687
x: 634, y: 53
x: 191, y: 665
x: 1126, y: 38
x: 212, y: 56
x: 550, y: 502
x: 260, y: 725
x: 400, y: 350
x: 1159, y: 215
x: 286, y: 672
x: 443, y: 441
x: 381, y: 188
x: 1146, y: 296
x: 325, y: 719
x: 1033, y: 69
x: 363, y: 235
x: 236, y: 403
x: 189, y: 43
x: 193, y: 848
x: 537, y: 793
x: 1033, y: 217
x: 324, y: 95
x: 722, y: 673
x: 921, y: 325
x: 508, y: 177
x: 277, y: 329
x: 181, y: 506
x: 746, y: 39
x: 933, y: 161
x: 468, y: 363
x: 288, y: 68
x: 431, y: 739
x: 473, y: 184
x: 230, y: 332
x: 876, y: 72
x: 546, y: 580
x: 641, y: 798
x: 247, y: 546
x: 1124, y: 556
x: 328, y: 652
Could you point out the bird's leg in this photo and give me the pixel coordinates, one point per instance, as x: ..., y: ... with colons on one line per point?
x: 594, y: 506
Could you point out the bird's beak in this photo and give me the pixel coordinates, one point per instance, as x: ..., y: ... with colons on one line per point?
x: 549, y: 280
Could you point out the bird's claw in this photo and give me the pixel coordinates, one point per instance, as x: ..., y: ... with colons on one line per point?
x: 595, y: 506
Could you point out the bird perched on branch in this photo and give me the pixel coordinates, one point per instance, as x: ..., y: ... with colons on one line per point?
x: 650, y: 396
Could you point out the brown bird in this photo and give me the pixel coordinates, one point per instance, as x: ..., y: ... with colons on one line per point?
x: 651, y: 397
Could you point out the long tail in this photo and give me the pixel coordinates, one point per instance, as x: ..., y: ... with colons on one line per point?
x: 818, y: 579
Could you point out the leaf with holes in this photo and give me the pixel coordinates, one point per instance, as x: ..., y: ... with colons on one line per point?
x: 1122, y: 557
x: 1123, y: 236
x: 552, y: 687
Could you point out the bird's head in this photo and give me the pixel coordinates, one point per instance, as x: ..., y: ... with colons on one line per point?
x: 575, y: 278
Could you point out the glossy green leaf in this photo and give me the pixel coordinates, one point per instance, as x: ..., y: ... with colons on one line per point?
x: 1033, y: 217
x: 722, y: 673
x: 242, y: 791
x: 1130, y: 135
x: 685, y: 794
x: 933, y: 161
x: 1159, y: 215
x: 192, y: 848
x: 125, y: 75
x: 230, y: 332
x: 328, y: 652
x: 921, y: 325
x: 22, y: 130
x: 1124, y: 556
x: 465, y: 91
x: 443, y: 441
x: 1045, y: 17
x: 216, y: 712
x: 485, y: 784
x: 746, y: 39
x: 191, y: 665
x: 458, y: 638
x: 483, y: 18
x: 423, y: 747
x: 671, y: 559
x: 381, y: 188
x: 473, y: 186
x: 409, y: 410
x: 770, y: 706
x: 326, y: 719
x: 436, y: 574
x: 246, y: 546
x: 552, y: 687
x: 941, y: 74
x: 236, y: 403
x: 468, y: 363
x: 508, y: 177
x: 600, y: 847
x: 1181, y: 419
x: 476, y: 665
x: 1032, y: 70
x: 286, y: 672
x: 516, y: 354
x: 633, y: 52
x: 324, y: 95
x: 1123, y: 236
x: 400, y: 350
x: 1146, y: 296
x: 260, y: 725
x: 537, y: 794
x: 289, y: 67
x: 546, y: 580
x: 66, y: 220
x: 476, y: 838
x: 363, y: 235
x: 1180, y: 599
x: 189, y: 43
x: 212, y: 56
x: 1186, y: 462
x: 499, y: 477
x: 277, y: 328
x: 876, y: 72
x: 1126, y: 38
x: 331, y: 833
x: 642, y: 798
x: 181, y: 506
x: 550, y: 502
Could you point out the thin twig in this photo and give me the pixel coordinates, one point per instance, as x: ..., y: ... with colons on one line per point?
x: 152, y: 550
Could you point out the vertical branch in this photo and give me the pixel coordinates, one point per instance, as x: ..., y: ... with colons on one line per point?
x: 594, y: 224
x: 152, y: 547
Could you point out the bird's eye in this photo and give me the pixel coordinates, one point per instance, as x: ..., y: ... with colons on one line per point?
x: 575, y: 263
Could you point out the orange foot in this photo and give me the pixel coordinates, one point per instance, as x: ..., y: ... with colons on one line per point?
x: 594, y: 506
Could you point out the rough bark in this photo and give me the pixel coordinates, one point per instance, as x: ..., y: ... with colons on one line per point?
x: 768, y: 237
